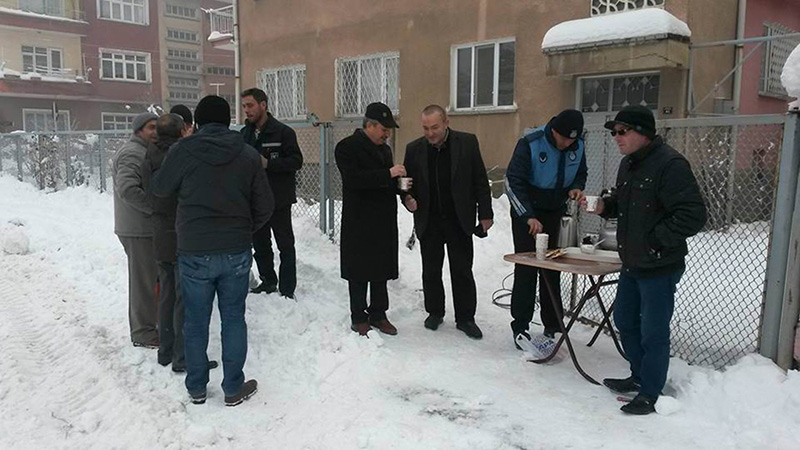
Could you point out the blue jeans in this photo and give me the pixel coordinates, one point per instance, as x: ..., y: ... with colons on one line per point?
x: 642, y: 313
x: 202, y: 276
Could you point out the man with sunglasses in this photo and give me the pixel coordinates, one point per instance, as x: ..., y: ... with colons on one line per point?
x: 658, y: 205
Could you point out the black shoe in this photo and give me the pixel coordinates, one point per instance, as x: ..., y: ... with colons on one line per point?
x: 525, y: 335
x: 289, y: 296
x: 198, y: 399
x: 247, y: 390
x: 622, y: 385
x: 164, y: 359
x: 148, y: 345
x: 181, y: 369
x: 264, y: 287
x: 641, y: 405
x: 470, y: 329
x: 433, y: 322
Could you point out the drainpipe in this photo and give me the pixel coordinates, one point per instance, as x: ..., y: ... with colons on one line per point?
x: 737, y: 76
x: 236, y: 62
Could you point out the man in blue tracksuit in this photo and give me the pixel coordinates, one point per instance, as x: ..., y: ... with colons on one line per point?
x: 548, y: 165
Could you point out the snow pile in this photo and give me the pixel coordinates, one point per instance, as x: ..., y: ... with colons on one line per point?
x: 15, y: 241
x: 643, y: 23
x: 790, y: 77
x: 217, y: 36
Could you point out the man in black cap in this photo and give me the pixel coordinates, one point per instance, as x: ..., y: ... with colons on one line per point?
x: 451, y: 192
x: 186, y: 115
x: 658, y: 205
x: 215, y: 224
x: 369, y: 218
x: 547, y: 167
x: 277, y: 143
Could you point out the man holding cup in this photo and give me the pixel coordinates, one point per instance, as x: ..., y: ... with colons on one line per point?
x: 369, y: 218
x: 658, y: 205
x: 451, y: 189
x: 547, y: 167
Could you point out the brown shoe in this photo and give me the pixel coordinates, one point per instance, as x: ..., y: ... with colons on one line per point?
x: 384, y: 326
x: 361, y: 328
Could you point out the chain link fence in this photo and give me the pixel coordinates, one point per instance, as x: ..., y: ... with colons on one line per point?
x: 718, y: 305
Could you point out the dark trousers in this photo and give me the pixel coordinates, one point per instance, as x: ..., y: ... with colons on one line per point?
x: 642, y: 313
x: 203, y: 277
x: 142, y: 274
x: 170, y: 316
x: 281, y: 226
x: 524, y: 291
x: 360, y: 312
x: 441, y: 233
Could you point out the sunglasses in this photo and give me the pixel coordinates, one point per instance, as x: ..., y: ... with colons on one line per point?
x: 621, y: 132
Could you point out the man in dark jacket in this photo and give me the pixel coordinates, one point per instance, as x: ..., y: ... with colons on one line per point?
x: 658, y: 205
x: 186, y: 115
x: 450, y: 187
x: 548, y: 166
x: 277, y: 143
x: 369, y: 218
x: 223, y: 198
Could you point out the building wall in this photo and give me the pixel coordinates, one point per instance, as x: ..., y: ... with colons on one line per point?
x: 785, y: 12
x: 180, y: 23
x: 13, y: 38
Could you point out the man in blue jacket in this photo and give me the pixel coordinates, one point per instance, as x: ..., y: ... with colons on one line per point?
x: 548, y: 165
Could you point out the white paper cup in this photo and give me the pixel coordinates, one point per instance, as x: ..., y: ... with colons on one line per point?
x: 404, y: 183
x: 591, y: 203
x: 542, y: 240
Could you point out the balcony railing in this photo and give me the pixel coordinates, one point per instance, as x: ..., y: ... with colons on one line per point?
x: 51, y: 8
x: 221, y: 20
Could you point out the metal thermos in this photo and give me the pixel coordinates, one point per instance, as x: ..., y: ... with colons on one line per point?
x: 568, y: 230
x: 608, y: 234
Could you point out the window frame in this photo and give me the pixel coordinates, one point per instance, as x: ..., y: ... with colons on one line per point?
x: 579, y: 92
x: 196, y: 41
x: 145, y: 12
x: 384, y: 57
x: 176, y: 15
x: 46, y: 112
x: 49, y: 55
x: 148, y: 62
x: 272, y: 97
x: 494, y: 107
x: 765, y: 87
x: 61, y: 11
x: 103, y: 116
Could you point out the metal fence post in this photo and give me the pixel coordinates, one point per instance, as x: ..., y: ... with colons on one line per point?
x: 19, y: 158
x: 101, y: 157
x: 323, y: 178
x: 69, y: 175
x: 329, y: 165
x: 781, y: 232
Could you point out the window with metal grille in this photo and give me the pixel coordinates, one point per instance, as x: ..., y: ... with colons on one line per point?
x: 48, y: 7
x: 41, y: 60
x: 41, y: 120
x: 367, y: 79
x: 776, y: 52
x: 117, y: 121
x: 176, y: 53
x: 125, y: 66
x: 600, y: 7
x: 614, y: 93
x: 482, y: 75
x: 183, y: 12
x: 181, y: 35
x: 286, y: 91
x: 132, y: 11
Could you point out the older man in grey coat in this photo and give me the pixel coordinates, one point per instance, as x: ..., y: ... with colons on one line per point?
x: 133, y: 227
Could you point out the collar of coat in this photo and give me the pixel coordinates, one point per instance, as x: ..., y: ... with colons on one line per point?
x: 645, y: 151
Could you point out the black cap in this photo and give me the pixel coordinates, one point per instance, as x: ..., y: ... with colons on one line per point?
x: 381, y: 113
x: 212, y: 109
x: 568, y: 123
x: 184, y: 112
x: 638, y: 118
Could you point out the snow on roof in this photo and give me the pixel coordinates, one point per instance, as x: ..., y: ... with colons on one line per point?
x: 19, y: 12
x: 217, y: 36
x: 790, y: 76
x: 606, y: 29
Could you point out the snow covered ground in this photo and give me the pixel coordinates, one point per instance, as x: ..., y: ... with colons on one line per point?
x: 69, y: 377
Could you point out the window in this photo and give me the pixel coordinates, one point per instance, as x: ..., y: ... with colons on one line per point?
x: 483, y: 75
x: 216, y: 70
x: 183, y: 67
x: 41, y: 60
x: 600, y: 7
x: 776, y: 52
x: 49, y: 7
x: 41, y: 120
x: 181, y: 11
x: 183, y: 82
x: 181, y: 35
x: 125, y: 66
x: 367, y: 79
x: 183, y: 95
x: 182, y: 54
x: 611, y: 94
x: 117, y: 121
x: 132, y: 11
x: 286, y: 91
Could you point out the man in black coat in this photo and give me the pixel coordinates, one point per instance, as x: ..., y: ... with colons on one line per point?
x: 658, y: 205
x: 277, y: 143
x: 369, y: 218
x: 449, y: 187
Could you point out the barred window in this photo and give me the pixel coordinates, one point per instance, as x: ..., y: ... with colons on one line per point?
x: 600, y: 7
x: 286, y: 91
x: 483, y: 75
x: 41, y: 60
x: 776, y: 52
x: 183, y: 67
x: 133, y: 11
x: 183, y: 82
x: 41, y: 120
x: 611, y: 94
x: 217, y: 70
x: 183, y: 95
x: 181, y: 35
x: 367, y: 79
x: 182, y: 54
x: 48, y: 7
x: 124, y: 65
x: 117, y: 121
x: 181, y: 11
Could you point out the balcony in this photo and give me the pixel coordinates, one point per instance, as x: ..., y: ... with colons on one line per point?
x: 64, y: 10
x: 221, y: 21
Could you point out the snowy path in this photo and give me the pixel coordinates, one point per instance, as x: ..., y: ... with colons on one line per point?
x: 69, y: 377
